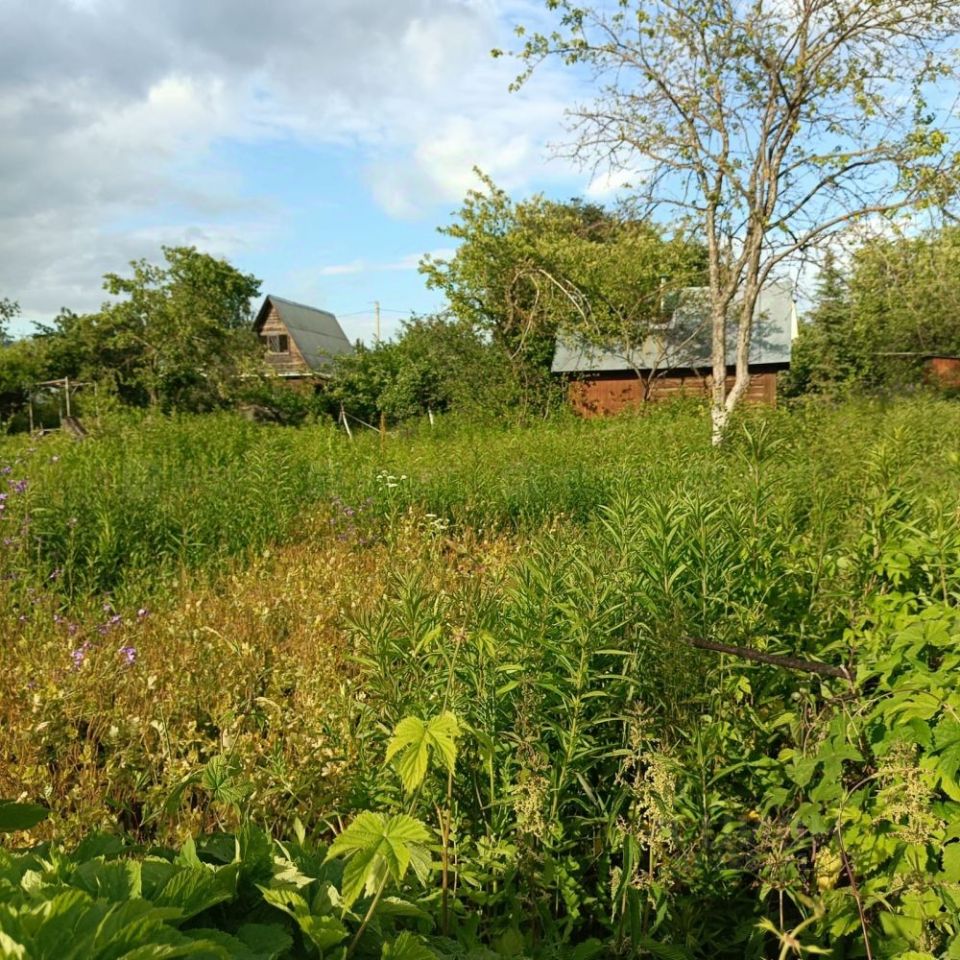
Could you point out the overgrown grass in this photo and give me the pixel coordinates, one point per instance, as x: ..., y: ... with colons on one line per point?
x: 128, y: 512
x: 307, y: 593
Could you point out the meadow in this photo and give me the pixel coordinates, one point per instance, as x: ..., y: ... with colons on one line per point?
x: 270, y: 692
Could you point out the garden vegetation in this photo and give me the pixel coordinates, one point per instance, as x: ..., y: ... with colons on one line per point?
x: 278, y: 693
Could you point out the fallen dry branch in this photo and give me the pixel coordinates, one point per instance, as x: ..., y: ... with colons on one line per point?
x: 788, y: 663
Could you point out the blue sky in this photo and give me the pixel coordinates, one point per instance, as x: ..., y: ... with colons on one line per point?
x: 316, y: 145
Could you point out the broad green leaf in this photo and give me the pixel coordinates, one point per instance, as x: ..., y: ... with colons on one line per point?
x: 289, y: 901
x: 268, y: 945
x: 20, y: 816
x: 415, y: 742
x: 410, y: 741
x: 371, y: 844
x: 951, y: 862
x: 117, y: 880
x: 219, y: 778
x: 324, y: 932
x: 406, y: 947
x: 10, y: 949
x: 362, y: 872
x: 396, y: 907
x: 266, y: 940
x: 192, y: 890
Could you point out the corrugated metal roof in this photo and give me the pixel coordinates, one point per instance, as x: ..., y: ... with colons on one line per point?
x: 685, y: 341
x: 317, y: 334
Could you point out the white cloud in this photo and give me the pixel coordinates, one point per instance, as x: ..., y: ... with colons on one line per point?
x: 608, y: 183
x: 410, y: 261
x: 341, y: 269
x: 113, y: 111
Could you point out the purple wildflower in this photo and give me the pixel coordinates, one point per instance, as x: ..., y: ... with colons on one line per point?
x: 143, y: 612
x: 19, y: 486
x: 129, y: 654
x: 80, y: 654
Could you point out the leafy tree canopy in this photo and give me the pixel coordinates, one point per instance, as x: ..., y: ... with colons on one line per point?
x: 872, y: 323
x: 524, y: 270
x: 179, y: 336
x: 768, y: 126
x: 8, y: 310
x: 436, y: 364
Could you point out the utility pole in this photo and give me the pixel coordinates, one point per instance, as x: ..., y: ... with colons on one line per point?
x: 376, y: 315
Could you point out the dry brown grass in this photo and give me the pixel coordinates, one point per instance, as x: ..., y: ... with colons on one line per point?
x: 256, y: 668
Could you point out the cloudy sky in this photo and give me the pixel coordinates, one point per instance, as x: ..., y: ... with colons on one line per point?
x: 315, y: 143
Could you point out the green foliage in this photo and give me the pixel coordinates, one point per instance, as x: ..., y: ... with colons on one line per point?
x: 767, y: 129
x: 414, y: 743
x: 379, y: 849
x: 435, y: 365
x: 179, y: 337
x: 523, y: 271
x: 9, y: 309
x: 522, y: 755
x: 20, y: 816
x: 873, y: 324
x: 128, y: 901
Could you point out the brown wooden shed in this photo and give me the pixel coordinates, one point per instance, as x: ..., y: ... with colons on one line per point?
x: 675, y: 359
x: 300, y: 341
x: 942, y: 372
x: 939, y: 370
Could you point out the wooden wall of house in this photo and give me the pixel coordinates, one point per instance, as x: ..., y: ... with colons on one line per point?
x: 942, y: 372
x: 604, y: 394
x: 291, y: 362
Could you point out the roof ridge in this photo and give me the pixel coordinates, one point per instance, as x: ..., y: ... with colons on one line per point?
x: 297, y: 303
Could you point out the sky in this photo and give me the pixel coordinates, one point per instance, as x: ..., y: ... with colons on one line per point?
x: 317, y: 144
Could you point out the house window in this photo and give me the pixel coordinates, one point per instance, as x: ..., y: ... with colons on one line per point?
x: 277, y: 343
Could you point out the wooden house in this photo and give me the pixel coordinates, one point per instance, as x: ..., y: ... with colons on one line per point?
x: 300, y: 341
x: 938, y: 370
x: 942, y: 372
x: 674, y: 359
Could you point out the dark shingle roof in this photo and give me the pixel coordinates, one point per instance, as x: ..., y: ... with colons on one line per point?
x: 317, y: 334
x: 685, y: 342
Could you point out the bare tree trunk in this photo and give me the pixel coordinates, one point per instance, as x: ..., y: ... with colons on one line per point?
x: 718, y: 346
x: 741, y: 382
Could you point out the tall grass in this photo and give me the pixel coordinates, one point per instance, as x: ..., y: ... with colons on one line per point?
x: 543, y: 584
x: 135, y: 506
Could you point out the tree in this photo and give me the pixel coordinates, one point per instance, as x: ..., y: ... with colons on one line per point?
x: 9, y: 309
x: 871, y: 326
x: 23, y: 363
x: 824, y: 355
x: 525, y: 271
x: 903, y: 296
x: 434, y: 365
x: 768, y: 125
x: 179, y: 337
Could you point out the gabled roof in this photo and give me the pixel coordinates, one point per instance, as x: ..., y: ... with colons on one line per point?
x: 317, y: 334
x: 685, y: 341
